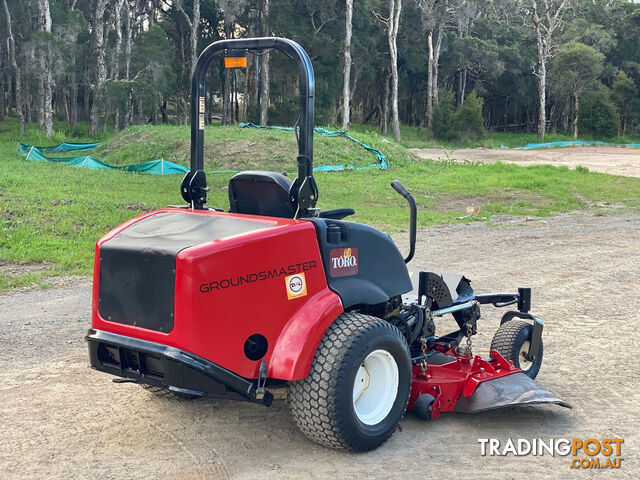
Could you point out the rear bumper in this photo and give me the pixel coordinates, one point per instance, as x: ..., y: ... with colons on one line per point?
x: 163, y: 366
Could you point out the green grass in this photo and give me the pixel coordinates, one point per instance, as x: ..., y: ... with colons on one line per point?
x: 233, y: 148
x: 414, y: 137
x: 54, y: 213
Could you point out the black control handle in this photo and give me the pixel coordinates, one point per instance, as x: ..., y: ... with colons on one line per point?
x: 401, y: 189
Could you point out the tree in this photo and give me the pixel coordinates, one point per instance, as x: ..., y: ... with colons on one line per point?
x: 46, y: 76
x: 433, y: 18
x: 194, y: 24
x: 265, y: 90
x: 99, y: 36
x: 598, y: 114
x: 393, y: 24
x: 346, y: 83
x: 545, y: 24
x: 624, y: 93
x: 17, y: 72
x: 574, y: 70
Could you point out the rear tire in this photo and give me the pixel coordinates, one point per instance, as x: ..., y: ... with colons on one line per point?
x: 512, y: 340
x: 358, y: 387
x: 166, y: 393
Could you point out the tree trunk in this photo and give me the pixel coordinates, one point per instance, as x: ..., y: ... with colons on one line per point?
x: 2, y: 84
x: 429, y: 101
x: 227, y: 96
x: 384, y: 118
x: 464, y: 86
x: 436, y: 61
x: 46, y: 75
x: 17, y: 73
x: 251, y: 82
x: 194, y: 23
x: 265, y: 90
x: 73, y: 100
x: 542, y: 96
x: 576, y: 106
x: 395, y: 7
x: 346, y: 83
x: 553, y: 20
x: 115, y: 68
x: 101, y: 66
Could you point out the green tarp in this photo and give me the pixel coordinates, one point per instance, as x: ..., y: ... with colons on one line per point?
x: 152, y: 167
x: 323, y: 132
x: 164, y: 167
x: 573, y: 143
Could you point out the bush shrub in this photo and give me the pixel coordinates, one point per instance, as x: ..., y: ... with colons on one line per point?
x: 443, y: 124
x: 463, y: 124
x: 468, y: 119
x: 598, y: 115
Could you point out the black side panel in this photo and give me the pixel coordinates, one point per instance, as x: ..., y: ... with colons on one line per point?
x: 138, y: 266
x: 137, y: 288
x: 372, y: 269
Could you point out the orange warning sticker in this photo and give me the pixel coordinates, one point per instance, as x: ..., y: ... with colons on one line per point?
x: 296, y: 286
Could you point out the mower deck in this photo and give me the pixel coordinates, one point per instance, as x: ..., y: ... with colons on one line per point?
x: 460, y: 383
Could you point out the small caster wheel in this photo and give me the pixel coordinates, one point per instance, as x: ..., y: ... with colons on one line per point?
x: 422, y: 406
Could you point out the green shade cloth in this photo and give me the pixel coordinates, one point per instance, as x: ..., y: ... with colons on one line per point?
x: 573, y: 143
x: 152, y: 167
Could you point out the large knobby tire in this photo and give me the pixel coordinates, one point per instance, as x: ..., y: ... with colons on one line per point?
x: 166, y: 393
x: 512, y: 341
x: 358, y: 387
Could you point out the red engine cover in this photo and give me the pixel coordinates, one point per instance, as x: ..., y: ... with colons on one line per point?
x: 269, y: 281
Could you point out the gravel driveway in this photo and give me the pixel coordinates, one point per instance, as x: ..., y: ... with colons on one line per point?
x: 62, y: 420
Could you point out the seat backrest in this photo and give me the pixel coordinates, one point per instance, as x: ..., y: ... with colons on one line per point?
x: 261, y: 193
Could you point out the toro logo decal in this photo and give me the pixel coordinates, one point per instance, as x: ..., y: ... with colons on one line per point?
x: 343, y: 262
x: 296, y: 286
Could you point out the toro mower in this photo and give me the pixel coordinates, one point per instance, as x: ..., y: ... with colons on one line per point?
x: 192, y: 301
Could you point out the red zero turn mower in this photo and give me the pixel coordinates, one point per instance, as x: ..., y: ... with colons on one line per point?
x: 192, y: 301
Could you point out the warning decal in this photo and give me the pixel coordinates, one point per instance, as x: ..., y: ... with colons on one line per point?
x: 296, y: 286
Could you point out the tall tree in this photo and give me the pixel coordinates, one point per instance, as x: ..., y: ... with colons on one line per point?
x: 99, y: 37
x: 546, y: 17
x: 230, y: 10
x: 392, y: 24
x: 624, y: 94
x: 574, y: 71
x: 265, y: 87
x: 17, y: 72
x: 433, y: 18
x: 46, y: 75
x: 194, y: 24
x: 346, y: 86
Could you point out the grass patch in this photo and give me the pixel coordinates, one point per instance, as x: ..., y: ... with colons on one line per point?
x: 414, y: 137
x: 233, y: 148
x: 54, y: 213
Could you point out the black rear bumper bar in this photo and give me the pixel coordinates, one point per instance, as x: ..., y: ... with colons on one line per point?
x: 167, y: 367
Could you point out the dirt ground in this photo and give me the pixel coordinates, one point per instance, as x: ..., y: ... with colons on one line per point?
x: 60, y: 419
x: 614, y: 160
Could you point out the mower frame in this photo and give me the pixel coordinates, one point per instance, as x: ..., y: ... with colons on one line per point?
x: 304, y: 192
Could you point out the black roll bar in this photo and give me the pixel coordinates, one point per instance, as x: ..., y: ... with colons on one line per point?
x: 304, y: 191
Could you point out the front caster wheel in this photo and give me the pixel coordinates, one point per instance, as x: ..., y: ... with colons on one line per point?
x: 512, y: 341
x: 358, y: 386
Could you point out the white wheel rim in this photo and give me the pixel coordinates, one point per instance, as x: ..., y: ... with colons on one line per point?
x: 522, y: 360
x: 375, y: 387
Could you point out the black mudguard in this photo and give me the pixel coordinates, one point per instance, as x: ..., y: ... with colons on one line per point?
x: 371, y: 270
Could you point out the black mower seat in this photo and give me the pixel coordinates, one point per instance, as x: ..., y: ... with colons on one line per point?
x: 259, y: 192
